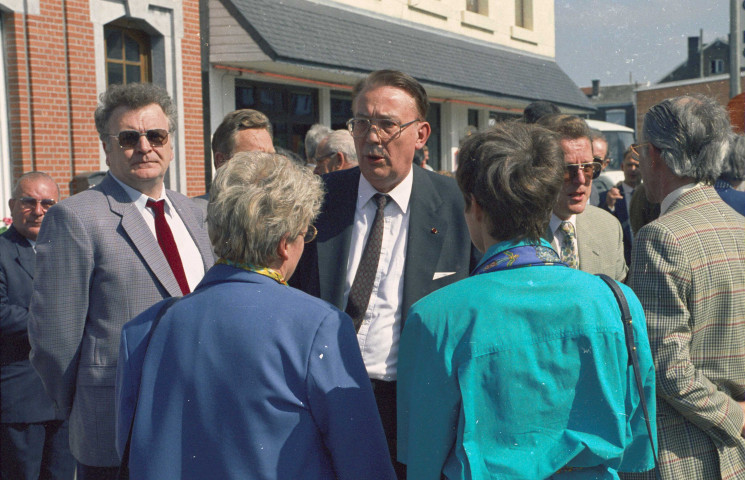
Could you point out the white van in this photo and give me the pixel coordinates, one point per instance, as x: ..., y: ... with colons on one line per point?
x: 619, y: 138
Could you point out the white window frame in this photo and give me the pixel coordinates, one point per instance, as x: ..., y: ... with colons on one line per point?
x: 166, y: 18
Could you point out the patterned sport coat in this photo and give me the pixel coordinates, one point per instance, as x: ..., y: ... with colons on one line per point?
x: 98, y: 265
x: 688, y: 270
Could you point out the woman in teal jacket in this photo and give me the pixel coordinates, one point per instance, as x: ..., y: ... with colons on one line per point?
x: 520, y: 371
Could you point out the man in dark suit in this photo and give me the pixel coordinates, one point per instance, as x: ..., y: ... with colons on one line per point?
x: 617, y: 200
x: 33, y: 434
x: 389, y: 233
x: 104, y: 256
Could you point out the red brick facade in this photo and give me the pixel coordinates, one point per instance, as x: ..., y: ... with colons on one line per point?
x: 716, y: 89
x: 52, y: 92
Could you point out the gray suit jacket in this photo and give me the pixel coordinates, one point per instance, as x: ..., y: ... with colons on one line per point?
x: 98, y: 266
x: 600, y: 243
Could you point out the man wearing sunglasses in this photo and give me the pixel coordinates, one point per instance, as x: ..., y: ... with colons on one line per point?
x: 104, y: 256
x: 33, y: 433
x: 586, y: 237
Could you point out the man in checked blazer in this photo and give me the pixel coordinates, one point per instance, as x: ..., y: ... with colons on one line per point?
x: 99, y: 264
x: 688, y: 270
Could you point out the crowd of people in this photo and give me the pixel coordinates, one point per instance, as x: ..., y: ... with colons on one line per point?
x: 355, y: 315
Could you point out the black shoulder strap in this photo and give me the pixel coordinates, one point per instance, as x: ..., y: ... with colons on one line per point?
x: 124, y: 467
x: 633, y: 357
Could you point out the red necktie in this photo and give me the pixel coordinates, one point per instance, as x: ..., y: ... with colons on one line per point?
x: 168, y: 244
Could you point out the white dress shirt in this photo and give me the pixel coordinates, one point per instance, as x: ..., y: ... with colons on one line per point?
x: 558, y: 240
x: 381, y: 325
x: 674, y: 195
x: 191, y: 259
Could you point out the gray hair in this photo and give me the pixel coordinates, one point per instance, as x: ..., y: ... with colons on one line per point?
x: 734, y: 165
x: 132, y: 96
x: 30, y: 177
x: 256, y: 199
x: 342, y: 141
x: 314, y: 136
x: 692, y: 133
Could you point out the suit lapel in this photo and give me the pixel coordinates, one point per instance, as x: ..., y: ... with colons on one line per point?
x: 586, y: 243
x: 427, y: 231
x: 194, y: 226
x: 25, y: 255
x: 335, y: 236
x: 142, y: 238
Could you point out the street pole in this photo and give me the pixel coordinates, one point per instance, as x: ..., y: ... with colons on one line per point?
x: 735, y: 47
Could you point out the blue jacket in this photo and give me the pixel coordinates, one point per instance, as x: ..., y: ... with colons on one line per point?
x: 247, y: 378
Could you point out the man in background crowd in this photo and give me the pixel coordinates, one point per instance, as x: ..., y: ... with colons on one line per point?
x: 243, y: 130
x: 617, y: 200
x: 33, y: 433
x: 335, y: 152
x: 313, y: 137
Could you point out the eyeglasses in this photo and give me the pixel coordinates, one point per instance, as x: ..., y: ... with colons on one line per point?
x: 386, y: 128
x: 635, y: 147
x: 324, y: 157
x: 30, y: 203
x: 590, y: 169
x: 310, y: 235
x: 157, y: 137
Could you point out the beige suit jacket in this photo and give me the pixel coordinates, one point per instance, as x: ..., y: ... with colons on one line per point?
x: 688, y: 270
x: 599, y: 243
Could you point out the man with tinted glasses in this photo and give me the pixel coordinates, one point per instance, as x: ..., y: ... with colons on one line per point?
x: 389, y: 233
x: 586, y: 237
x: 104, y: 256
x: 33, y: 433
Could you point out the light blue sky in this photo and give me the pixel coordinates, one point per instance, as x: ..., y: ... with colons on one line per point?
x: 607, y: 39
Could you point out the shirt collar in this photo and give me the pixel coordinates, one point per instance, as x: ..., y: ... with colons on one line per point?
x: 400, y: 194
x: 674, y: 195
x: 139, y: 198
x: 556, y: 222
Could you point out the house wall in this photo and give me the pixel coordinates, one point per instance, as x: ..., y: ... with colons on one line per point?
x: 714, y: 87
x: 495, y: 23
x: 55, y: 70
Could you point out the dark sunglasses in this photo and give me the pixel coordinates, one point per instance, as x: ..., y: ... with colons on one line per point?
x: 157, y: 137
x: 310, y: 235
x: 590, y: 169
x: 29, y: 203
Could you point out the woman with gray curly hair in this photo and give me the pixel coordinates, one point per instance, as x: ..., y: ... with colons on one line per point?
x: 247, y: 377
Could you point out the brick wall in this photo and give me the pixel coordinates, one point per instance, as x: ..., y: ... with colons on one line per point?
x: 717, y: 89
x: 52, y: 92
